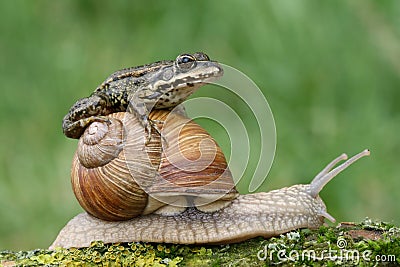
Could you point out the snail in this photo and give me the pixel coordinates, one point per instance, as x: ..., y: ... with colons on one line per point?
x: 177, y: 190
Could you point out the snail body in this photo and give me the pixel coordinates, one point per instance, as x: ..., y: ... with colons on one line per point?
x: 260, y: 214
x: 183, y: 206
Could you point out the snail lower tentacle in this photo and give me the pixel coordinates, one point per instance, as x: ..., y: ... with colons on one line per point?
x: 260, y: 214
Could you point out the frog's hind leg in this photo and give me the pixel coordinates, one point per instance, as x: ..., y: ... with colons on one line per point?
x: 84, y: 112
x: 74, y: 129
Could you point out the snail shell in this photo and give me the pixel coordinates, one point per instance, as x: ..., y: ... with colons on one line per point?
x: 117, y: 176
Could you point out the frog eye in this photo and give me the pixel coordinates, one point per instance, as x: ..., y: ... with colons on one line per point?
x: 186, y: 61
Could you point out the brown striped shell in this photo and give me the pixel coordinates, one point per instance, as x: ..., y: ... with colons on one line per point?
x: 116, y: 176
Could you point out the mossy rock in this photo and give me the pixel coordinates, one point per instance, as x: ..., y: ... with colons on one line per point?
x: 366, y: 244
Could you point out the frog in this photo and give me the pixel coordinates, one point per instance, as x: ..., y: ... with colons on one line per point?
x: 138, y: 90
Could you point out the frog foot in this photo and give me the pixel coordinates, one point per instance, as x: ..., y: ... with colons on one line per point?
x: 153, y: 124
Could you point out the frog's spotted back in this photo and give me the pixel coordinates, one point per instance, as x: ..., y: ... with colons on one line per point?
x: 162, y: 84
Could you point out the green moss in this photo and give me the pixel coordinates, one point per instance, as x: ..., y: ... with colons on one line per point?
x: 349, y: 244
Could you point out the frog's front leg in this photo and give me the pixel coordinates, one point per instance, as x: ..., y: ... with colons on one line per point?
x: 139, y: 108
x: 141, y: 111
x: 84, y: 112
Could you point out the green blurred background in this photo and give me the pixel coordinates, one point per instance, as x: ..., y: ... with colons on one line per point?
x: 329, y: 69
